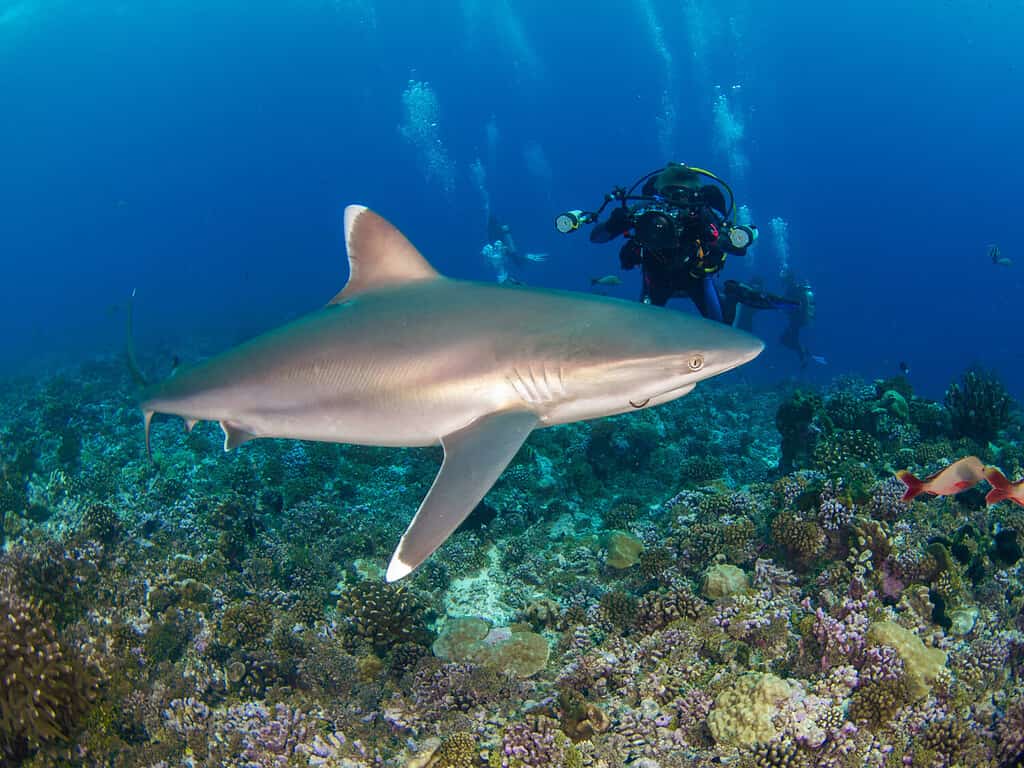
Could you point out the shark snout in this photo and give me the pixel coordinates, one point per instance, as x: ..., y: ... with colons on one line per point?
x: 736, y: 349
x: 752, y: 349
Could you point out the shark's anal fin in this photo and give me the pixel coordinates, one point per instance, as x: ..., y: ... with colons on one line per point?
x: 148, y: 416
x: 474, y: 457
x: 234, y: 436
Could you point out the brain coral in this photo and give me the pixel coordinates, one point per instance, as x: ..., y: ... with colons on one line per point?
x: 742, y: 715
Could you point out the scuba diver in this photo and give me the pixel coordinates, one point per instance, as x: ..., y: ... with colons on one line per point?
x: 798, y: 302
x: 678, y: 229
x: 501, y: 251
x: 800, y: 317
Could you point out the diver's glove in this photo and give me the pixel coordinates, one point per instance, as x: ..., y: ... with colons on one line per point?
x: 616, y: 224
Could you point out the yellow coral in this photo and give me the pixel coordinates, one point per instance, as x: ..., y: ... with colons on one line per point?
x: 723, y: 580
x: 742, y: 715
x: 623, y: 550
x: 923, y: 665
x: 458, y: 751
x: 513, y: 650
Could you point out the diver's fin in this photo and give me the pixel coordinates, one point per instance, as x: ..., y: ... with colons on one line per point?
x: 234, y: 436
x: 378, y: 255
x: 474, y: 457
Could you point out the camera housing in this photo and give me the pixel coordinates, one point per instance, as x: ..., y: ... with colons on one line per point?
x: 661, y: 226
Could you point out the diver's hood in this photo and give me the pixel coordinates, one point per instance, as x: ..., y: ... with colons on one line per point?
x: 706, y: 194
x: 713, y: 197
x: 676, y: 176
x: 677, y: 184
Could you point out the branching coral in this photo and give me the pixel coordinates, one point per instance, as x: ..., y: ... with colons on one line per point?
x: 46, y: 688
x: 979, y: 405
x: 245, y: 622
x: 802, y: 539
x: 534, y: 743
x: 383, y: 615
x: 459, y: 750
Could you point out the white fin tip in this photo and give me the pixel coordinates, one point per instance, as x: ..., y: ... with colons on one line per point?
x: 397, y: 570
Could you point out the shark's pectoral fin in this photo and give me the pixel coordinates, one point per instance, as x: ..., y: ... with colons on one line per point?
x: 234, y: 435
x: 474, y: 457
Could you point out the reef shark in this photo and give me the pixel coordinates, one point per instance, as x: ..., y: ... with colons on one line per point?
x: 405, y: 357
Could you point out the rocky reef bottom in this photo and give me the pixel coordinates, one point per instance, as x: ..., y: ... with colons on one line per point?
x: 729, y: 579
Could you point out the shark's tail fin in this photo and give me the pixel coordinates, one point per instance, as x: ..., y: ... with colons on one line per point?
x: 133, y: 364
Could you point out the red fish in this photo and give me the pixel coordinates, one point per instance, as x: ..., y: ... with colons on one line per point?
x: 1003, y: 489
x: 957, y: 477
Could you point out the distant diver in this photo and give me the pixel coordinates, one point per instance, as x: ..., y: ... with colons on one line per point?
x: 678, y: 229
x: 997, y: 257
x: 502, y: 253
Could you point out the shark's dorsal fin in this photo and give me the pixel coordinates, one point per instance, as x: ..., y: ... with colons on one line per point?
x: 379, y: 255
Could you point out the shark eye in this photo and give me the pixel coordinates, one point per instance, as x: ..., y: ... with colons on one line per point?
x: 696, y: 362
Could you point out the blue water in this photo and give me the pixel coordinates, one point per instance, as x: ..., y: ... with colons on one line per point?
x: 203, y: 153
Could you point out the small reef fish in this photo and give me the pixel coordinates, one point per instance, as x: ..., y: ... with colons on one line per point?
x: 957, y: 477
x: 607, y: 280
x: 1002, y: 488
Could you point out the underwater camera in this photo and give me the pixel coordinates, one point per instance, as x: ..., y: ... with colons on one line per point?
x: 660, y: 226
x: 671, y: 201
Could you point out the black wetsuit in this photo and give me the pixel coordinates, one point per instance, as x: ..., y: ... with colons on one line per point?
x: 687, y: 269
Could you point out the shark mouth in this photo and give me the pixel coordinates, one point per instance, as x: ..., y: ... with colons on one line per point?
x: 663, y: 397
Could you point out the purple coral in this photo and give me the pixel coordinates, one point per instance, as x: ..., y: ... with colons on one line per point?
x: 842, y: 639
x: 886, y: 502
x: 880, y: 664
x: 532, y: 743
x: 777, y: 581
x: 1011, y: 735
x: 269, y: 737
x: 692, y: 709
x: 833, y: 513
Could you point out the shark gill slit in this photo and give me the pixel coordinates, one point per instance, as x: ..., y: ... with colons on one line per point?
x: 549, y: 391
x: 538, y: 395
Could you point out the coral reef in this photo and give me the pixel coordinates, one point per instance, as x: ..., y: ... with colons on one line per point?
x: 731, y: 579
